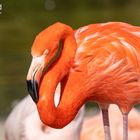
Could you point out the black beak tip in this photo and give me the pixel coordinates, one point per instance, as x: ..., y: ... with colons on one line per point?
x: 32, y: 87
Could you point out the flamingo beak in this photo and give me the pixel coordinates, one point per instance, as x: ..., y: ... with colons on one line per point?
x: 33, y: 90
x: 33, y: 77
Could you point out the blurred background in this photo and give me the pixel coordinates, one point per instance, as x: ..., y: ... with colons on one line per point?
x: 21, y: 21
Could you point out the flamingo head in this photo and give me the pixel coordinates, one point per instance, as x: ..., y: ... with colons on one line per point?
x: 46, y: 51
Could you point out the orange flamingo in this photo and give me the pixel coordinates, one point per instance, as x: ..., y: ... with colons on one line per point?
x: 98, y: 62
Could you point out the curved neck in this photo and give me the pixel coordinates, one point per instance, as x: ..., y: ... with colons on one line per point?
x: 70, y: 102
x: 65, y: 112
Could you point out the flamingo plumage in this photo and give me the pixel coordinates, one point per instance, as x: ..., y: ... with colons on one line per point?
x: 98, y: 62
x: 23, y: 123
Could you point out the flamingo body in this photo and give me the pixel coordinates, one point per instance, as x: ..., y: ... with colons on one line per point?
x: 98, y: 62
x: 108, y: 56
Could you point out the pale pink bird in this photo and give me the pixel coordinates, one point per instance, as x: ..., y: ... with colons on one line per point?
x: 24, y: 124
x: 95, y: 132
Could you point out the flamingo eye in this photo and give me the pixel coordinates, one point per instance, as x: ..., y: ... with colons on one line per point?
x: 59, y: 50
x: 46, y: 52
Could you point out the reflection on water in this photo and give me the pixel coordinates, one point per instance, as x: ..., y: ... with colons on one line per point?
x: 20, y: 22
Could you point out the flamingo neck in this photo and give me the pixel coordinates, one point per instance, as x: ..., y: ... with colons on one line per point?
x: 69, y: 104
x: 64, y: 113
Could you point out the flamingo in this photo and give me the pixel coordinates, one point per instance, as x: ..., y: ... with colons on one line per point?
x: 24, y: 124
x: 98, y: 62
x: 95, y: 132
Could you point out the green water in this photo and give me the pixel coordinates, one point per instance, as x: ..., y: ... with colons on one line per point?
x: 20, y: 22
